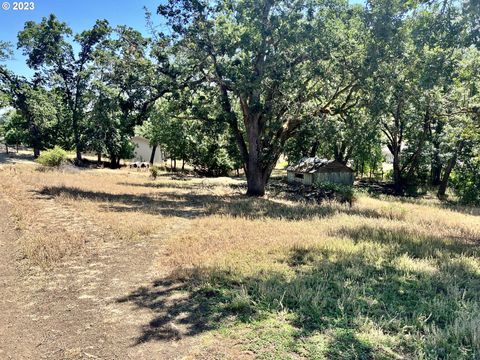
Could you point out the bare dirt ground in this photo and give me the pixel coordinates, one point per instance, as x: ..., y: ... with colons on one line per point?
x: 98, y: 304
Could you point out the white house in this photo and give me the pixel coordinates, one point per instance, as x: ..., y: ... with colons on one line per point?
x: 143, y: 150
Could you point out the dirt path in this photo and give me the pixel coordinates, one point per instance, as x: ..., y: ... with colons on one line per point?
x: 112, y: 300
x: 14, y: 323
x: 75, y: 311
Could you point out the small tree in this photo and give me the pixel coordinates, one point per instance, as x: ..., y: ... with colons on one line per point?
x: 47, y: 49
x: 13, y: 129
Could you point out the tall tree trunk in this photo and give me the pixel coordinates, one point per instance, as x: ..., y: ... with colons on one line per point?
x: 259, y: 171
x: 436, y: 171
x: 174, y: 164
x: 76, y: 136
x: 183, y: 164
x: 397, y: 173
x: 152, y: 156
x: 113, y: 162
x: 436, y: 160
x: 99, y: 158
x: 442, y: 189
x: 255, y: 171
x: 78, y: 158
x: 394, y: 135
x: 255, y: 181
x: 35, y: 137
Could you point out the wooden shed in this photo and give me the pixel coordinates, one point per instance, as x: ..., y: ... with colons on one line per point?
x: 311, y: 170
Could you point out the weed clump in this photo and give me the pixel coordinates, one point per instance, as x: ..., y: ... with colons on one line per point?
x: 154, y: 171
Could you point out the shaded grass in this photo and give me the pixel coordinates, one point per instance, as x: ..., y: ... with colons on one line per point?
x: 359, y: 305
x: 349, y: 285
x: 201, y: 205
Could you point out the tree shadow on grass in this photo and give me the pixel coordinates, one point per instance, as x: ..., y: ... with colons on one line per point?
x: 462, y: 209
x: 13, y: 157
x: 180, y: 309
x: 407, y: 241
x: 333, y: 291
x: 191, y: 205
x: 346, y: 345
x: 186, y: 185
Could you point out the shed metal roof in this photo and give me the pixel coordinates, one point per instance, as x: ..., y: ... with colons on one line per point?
x: 311, y: 165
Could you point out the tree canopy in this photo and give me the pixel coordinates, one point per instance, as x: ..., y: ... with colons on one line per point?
x: 239, y: 83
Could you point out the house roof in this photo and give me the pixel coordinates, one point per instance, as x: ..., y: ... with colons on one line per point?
x: 312, y: 165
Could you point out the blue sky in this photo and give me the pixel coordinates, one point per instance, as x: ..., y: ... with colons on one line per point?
x: 78, y: 14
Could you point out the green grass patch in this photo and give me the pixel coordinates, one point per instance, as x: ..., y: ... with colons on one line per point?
x: 400, y: 297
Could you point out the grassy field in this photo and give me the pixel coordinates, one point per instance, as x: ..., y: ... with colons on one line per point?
x: 384, y: 279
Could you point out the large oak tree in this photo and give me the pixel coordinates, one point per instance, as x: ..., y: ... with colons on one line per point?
x: 265, y: 60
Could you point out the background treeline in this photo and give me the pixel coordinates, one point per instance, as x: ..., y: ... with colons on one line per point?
x: 236, y: 84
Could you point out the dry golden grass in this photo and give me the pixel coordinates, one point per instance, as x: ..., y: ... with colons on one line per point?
x: 224, y: 240
x: 386, y: 278
x: 59, y: 211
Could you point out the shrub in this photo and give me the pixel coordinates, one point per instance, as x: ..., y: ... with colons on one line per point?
x: 154, y: 171
x: 343, y: 193
x: 53, y: 157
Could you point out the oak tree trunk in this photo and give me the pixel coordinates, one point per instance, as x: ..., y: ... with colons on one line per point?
x: 255, y: 168
x: 397, y: 173
x: 76, y: 136
x: 35, y: 138
x: 255, y: 181
x: 437, y: 164
x: 442, y: 189
x: 113, y: 162
x: 436, y: 173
